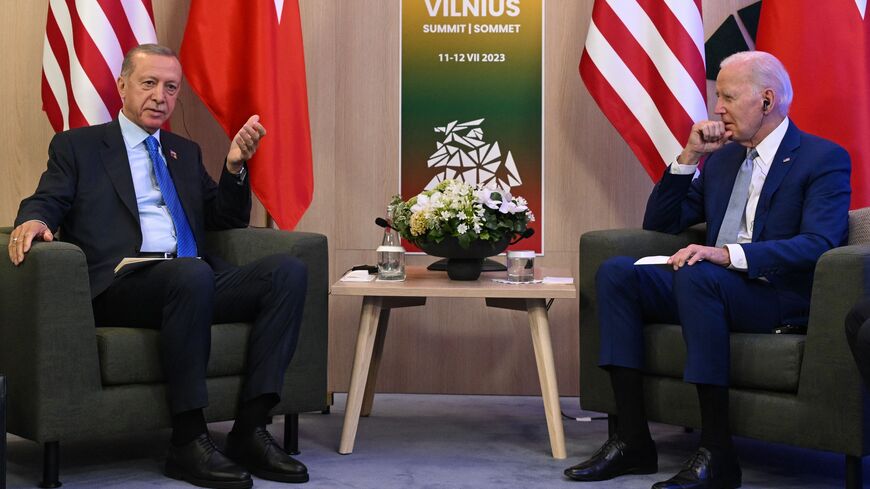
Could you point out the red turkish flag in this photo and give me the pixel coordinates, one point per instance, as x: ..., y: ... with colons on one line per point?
x: 245, y: 57
x: 824, y: 47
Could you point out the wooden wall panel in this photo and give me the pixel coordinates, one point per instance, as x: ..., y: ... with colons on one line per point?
x: 592, y: 180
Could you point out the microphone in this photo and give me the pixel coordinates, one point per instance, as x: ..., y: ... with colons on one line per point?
x: 382, y: 222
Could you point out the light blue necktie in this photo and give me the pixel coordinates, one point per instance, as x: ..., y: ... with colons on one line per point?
x: 737, y: 203
x: 186, y: 243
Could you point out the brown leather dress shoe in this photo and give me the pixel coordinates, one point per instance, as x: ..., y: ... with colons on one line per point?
x: 258, y: 452
x: 705, y: 470
x: 616, y: 458
x: 201, y: 464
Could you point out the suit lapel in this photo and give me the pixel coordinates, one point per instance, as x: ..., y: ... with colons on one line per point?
x: 114, y: 158
x: 786, y: 157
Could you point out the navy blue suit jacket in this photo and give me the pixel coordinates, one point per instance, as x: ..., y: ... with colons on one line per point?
x: 802, y: 211
x: 87, y: 191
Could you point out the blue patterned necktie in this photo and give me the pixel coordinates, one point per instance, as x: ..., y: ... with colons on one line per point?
x: 186, y: 243
x: 737, y: 203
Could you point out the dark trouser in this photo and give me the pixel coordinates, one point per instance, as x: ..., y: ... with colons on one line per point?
x: 858, y: 336
x: 184, y: 296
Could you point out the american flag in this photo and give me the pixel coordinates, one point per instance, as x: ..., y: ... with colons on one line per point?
x: 85, y: 42
x: 644, y: 65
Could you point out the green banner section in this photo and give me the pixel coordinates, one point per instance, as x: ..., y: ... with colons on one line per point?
x: 472, y: 98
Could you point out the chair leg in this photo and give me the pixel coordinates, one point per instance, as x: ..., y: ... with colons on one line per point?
x: 612, y: 420
x: 50, y: 464
x: 853, y: 472
x: 2, y: 432
x: 291, y: 433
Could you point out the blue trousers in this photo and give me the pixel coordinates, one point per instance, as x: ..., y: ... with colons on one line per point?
x: 708, y: 300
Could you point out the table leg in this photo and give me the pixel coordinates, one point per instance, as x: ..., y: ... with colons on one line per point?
x: 365, y: 342
x: 540, y: 328
x: 372, y: 380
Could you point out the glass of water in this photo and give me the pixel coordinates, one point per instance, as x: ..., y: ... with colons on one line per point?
x: 520, y: 266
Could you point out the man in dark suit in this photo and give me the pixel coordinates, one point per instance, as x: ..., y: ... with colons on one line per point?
x: 773, y: 203
x: 128, y: 189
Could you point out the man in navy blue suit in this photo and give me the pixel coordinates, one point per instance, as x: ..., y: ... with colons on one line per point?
x: 774, y: 199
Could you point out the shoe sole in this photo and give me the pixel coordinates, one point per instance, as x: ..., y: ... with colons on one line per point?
x: 180, y: 475
x: 278, y: 476
x: 632, y: 471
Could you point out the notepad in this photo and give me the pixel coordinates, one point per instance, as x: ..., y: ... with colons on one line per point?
x: 137, y: 259
x: 358, y: 276
x: 653, y: 260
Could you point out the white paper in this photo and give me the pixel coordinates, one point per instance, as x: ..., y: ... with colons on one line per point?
x: 558, y: 280
x: 506, y: 281
x: 358, y: 276
x: 653, y: 260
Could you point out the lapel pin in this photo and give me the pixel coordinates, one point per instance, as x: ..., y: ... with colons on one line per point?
x: 784, y: 161
x: 173, y: 155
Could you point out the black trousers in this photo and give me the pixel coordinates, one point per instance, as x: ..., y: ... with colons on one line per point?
x: 858, y: 336
x: 184, y: 296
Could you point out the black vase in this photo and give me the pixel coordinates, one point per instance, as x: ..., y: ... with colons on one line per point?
x: 463, y: 263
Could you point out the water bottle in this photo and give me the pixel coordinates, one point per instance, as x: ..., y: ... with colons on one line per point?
x: 391, y: 256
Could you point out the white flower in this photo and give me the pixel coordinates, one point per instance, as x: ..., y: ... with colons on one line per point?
x: 484, y: 196
x: 462, y: 228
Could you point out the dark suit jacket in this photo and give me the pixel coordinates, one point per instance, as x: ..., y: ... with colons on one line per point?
x: 87, y: 192
x: 802, y: 211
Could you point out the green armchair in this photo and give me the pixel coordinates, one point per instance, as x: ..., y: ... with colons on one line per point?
x: 801, y: 390
x: 68, y: 380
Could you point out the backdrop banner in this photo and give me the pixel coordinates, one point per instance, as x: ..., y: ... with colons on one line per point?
x: 472, y: 99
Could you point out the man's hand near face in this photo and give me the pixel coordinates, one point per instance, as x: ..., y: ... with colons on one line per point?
x: 705, y: 138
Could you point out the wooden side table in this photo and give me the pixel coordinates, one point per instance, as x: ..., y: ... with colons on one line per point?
x: 379, y: 298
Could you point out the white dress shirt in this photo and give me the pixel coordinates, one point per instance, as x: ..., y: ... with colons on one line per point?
x: 766, y: 149
x: 158, y: 231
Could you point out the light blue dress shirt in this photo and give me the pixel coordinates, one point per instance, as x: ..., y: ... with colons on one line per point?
x: 158, y: 231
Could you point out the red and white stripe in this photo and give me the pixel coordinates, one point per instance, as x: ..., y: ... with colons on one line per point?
x: 644, y: 66
x: 85, y: 42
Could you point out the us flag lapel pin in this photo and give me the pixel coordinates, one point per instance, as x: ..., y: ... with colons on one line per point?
x: 173, y: 155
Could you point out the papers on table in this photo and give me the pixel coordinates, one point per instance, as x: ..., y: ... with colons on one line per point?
x: 546, y: 280
x: 358, y: 276
x: 653, y: 260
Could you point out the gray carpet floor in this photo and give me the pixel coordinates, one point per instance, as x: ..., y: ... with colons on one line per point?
x: 432, y: 442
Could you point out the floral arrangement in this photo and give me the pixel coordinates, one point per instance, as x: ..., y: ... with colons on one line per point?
x: 457, y: 209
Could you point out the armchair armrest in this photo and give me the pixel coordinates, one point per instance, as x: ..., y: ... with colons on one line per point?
x: 307, y: 371
x: 829, y: 379
x: 48, y: 349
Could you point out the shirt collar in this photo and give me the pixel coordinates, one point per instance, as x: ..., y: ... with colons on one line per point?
x: 133, y: 134
x: 768, y: 147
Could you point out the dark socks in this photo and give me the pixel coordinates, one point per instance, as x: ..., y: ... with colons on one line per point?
x: 715, y: 428
x: 254, y: 412
x: 631, y: 425
x: 187, y: 426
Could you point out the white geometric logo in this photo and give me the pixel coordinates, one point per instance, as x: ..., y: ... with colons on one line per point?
x: 465, y: 156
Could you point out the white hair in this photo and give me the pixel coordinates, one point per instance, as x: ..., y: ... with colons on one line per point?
x: 765, y: 72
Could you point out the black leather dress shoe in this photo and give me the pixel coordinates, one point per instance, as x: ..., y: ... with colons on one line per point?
x: 200, y: 463
x: 705, y: 470
x: 616, y: 458
x: 258, y: 452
